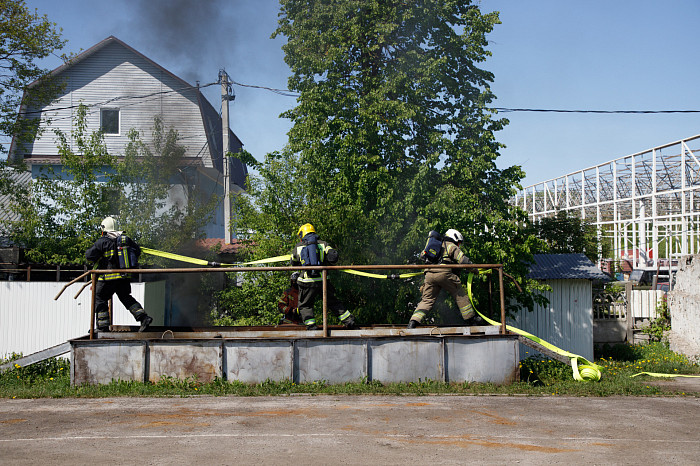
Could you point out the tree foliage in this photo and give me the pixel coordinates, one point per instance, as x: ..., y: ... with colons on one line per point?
x: 566, y: 233
x: 392, y: 137
x: 25, y: 38
x: 60, y: 212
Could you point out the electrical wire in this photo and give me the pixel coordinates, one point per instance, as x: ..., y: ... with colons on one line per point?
x: 115, y: 99
x: 549, y: 110
x: 283, y: 92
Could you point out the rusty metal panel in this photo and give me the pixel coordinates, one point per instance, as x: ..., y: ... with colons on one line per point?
x: 333, y: 361
x: 482, y: 359
x: 406, y: 359
x: 201, y: 360
x: 100, y: 362
x: 257, y: 361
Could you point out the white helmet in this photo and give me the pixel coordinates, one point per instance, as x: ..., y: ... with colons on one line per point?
x: 109, y: 224
x: 454, y: 235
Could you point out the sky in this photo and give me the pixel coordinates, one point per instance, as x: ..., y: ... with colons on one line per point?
x: 624, y: 55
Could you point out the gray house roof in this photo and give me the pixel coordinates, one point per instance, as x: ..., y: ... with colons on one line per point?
x: 107, y: 56
x: 564, y: 267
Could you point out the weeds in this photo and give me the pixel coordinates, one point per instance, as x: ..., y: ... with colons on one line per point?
x: 538, y: 377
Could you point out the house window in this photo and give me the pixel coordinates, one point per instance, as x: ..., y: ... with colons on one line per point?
x: 109, y: 120
x: 110, y: 198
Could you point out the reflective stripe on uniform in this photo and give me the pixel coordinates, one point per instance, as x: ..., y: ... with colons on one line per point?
x: 304, y: 277
x: 310, y: 322
x: 466, y: 311
x: 345, y: 315
x: 111, y: 276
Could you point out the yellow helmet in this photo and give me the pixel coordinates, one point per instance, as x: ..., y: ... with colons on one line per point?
x: 305, y: 229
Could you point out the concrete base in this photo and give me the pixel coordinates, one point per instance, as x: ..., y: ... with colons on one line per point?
x: 450, y: 354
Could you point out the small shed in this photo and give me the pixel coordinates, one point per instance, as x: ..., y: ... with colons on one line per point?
x: 567, y: 321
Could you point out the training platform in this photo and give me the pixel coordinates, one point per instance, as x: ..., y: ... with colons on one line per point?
x: 286, y: 352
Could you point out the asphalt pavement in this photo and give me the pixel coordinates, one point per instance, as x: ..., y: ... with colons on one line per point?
x: 322, y: 429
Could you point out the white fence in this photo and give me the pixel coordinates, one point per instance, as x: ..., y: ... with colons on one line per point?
x: 643, y: 304
x: 31, y: 320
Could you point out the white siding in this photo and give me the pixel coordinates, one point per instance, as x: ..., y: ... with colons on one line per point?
x: 566, y: 323
x: 31, y: 320
x: 115, y: 77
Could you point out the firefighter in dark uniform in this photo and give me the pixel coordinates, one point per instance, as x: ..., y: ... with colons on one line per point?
x: 310, y: 282
x: 445, y: 279
x: 104, y: 254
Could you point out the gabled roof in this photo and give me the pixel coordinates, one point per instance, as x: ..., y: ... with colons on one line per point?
x: 211, y: 120
x: 564, y: 267
x: 99, y: 46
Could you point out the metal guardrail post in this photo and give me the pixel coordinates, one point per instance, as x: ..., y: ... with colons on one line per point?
x: 324, y: 274
x: 92, y: 306
x: 503, y: 300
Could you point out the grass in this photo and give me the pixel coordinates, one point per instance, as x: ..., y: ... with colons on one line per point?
x: 539, y: 377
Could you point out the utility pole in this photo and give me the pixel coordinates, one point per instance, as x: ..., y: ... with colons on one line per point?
x: 225, y: 98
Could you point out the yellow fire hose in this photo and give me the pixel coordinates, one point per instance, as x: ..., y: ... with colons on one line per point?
x: 585, y: 372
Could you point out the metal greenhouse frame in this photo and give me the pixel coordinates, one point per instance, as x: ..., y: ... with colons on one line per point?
x: 646, y: 205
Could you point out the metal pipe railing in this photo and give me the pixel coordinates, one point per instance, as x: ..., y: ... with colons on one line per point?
x: 324, y: 269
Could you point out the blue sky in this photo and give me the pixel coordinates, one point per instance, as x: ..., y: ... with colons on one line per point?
x: 547, y: 54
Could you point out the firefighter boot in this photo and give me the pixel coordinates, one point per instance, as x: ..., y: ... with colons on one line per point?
x: 350, y: 323
x: 412, y: 324
x: 146, y: 320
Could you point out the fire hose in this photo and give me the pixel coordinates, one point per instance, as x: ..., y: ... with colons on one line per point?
x: 583, y: 369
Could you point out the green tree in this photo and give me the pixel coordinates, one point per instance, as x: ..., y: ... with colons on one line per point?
x: 25, y: 38
x: 566, y: 233
x: 393, y: 137
x: 61, y: 210
x: 151, y: 173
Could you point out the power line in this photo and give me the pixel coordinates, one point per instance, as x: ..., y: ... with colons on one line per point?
x: 549, y: 110
x: 115, y: 99
x: 284, y: 92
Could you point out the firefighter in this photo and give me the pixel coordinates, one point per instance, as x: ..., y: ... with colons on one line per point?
x: 104, y: 254
x: 444, y: 279
x: 312, y: 251
x: 289, y: 302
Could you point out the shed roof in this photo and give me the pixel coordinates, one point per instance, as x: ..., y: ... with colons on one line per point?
x: 565, y: 267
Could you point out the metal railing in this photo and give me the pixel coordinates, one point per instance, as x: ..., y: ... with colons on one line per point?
x: 324, y: 273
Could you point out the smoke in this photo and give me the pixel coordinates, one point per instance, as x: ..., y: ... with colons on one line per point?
x: 191, y: 38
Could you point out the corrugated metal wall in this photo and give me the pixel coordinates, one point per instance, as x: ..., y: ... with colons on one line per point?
x: 31, y: 320
x: 566, y: 323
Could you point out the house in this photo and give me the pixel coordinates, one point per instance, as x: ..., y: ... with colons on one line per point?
x: 567, y: 321
x: 125, y: 90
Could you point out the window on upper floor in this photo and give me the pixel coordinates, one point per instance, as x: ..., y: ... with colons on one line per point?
x: 109, y: 120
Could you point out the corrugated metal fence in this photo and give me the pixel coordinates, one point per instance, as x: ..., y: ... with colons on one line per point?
x: 567, y: 322
x: 31, y: 320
